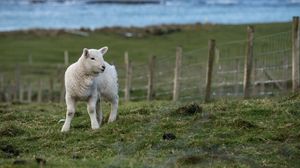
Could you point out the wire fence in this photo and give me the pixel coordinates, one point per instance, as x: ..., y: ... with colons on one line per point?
x: 271, y: 74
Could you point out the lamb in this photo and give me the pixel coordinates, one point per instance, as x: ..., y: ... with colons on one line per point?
x: 91, y: 79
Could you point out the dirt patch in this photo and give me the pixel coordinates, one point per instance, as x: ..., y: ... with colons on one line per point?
x: 169, y: 136
x: 10, y: 150
x: 189, y: 109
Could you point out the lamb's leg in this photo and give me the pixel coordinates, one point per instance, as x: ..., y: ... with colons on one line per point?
x: 69, y: 115
x: 91, y: 107
x: 114, y: 110
x: 99, y: 112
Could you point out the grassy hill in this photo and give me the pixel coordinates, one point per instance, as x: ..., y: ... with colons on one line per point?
x: 225, y: 133
x: 48, y: 46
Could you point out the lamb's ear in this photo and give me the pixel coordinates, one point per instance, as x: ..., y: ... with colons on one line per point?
x: 85, y: 52
x: 103, y: 50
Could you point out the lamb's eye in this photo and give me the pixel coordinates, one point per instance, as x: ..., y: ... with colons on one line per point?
x: 92, y: 58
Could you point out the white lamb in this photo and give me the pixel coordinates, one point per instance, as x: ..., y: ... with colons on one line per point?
x: 91, y: 79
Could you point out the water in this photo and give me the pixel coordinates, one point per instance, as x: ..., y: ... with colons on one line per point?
x: 21, y: 14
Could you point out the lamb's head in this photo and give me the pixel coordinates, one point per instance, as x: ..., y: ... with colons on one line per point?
x: 92, y: 60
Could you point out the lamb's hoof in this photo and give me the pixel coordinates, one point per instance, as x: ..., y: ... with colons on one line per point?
x: 94, y: 127
x: 64, y: 130
x: 111, y: 120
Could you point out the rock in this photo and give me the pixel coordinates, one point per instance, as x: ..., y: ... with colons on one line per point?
x: 169, y: 136
x: 10, y: 150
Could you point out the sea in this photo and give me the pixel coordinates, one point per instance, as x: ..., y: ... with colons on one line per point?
x: 74, y: 14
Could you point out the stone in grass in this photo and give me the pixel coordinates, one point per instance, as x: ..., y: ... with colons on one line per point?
x: 189, y: 109
x: 169, y: 136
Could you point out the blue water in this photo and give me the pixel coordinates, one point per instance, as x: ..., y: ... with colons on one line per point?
x: 22, y: 14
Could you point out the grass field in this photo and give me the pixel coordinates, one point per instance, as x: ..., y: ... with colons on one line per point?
x: 47, y: 47
x: 225, y: 133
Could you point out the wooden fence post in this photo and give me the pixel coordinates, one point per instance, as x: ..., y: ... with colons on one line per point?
x: 62, y: 88
x: 17, y: 83
x: 30, y: 59
x: 2, y: 97
x: 151, y: 92
x: 211, y: 57
x: 285, y: 74
x: 237, y: 73
x: 66, y: 57
x: 40, y: 92
x: 21, y: 94
x: 295, y: 53
x: 128, y: 68
x: 51, y: 89
x: 177, y: 74
x: 254, y: 77
x: 248, y: 62
x: 1, y: 83
x: 9, y: 92
x: 29, y: 93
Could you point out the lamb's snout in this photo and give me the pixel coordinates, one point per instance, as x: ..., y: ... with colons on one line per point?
x: 103, y: 68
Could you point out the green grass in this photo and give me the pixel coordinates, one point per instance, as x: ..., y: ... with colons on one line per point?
x: 45, y: 48
x: 227, y: 133
x: 47, y: 51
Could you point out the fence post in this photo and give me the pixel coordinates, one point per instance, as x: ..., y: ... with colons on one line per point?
x: 237, y: 73
x: 62, y: 89
x: 1, y: 83
x: 29, y: 93
x: 30, y: 59
x: 51, y: 89
x: 254, y: 77
x: 211, y: 57
x: 17, y: 83
x: 128, y: 68
x: 40, y: 92
x: 9, y: 92
x: 2, y: 98
x: 21, y: 94
x: 151, y: 92
x: 295, y: 53
x: 285, y: 74
x: 248, y: 62
x: 177, y: 74
x: 66, y: 57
